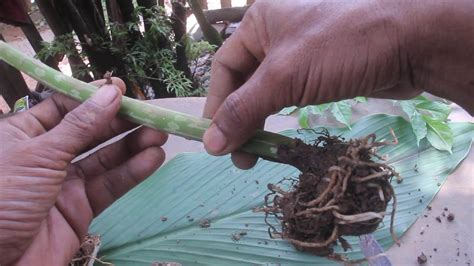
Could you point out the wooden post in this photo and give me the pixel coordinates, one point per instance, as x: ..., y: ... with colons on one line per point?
x: 12, y: 84
x: 209, y: 32
x: 204, y: 4
x: 179, y: 29
x: 62, y: 27
x: 35, y: 39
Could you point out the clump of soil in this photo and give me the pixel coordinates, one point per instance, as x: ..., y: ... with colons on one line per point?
x: 340, y: 191
x: 422, y: 259
x: 451, y: 217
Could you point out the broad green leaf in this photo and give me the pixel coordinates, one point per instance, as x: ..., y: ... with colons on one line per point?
x: 438, y: 110
x: 197, y: 186
x: 361, y: 99
x: 439, y: 134
x: 419, y: 127
x: 303, y: 117
x: 420, y: 98
x: 319, y: 109
x: 408, y: 107
x: 288, y: 110
x: 342, y: 111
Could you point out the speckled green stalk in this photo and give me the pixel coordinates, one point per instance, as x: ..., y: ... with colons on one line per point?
x: 264, y: 144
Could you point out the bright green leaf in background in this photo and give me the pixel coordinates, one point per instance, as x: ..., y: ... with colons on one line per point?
x: 303, y: 117
x: 439, y: 134
x: 320, y: 108
x: 428, y: 119
x: 342, y: 111
x: 360, y: 99
x: 197, y: 186
x: 438, y: 110
x: 408, y: 107
x: 419, y: 127
x: 288, y: 110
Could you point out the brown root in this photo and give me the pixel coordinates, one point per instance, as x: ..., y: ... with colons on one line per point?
x: 340, y: 191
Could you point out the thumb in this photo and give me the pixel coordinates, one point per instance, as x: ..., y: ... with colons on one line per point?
x: 241, y: 114
x: 84, y: 125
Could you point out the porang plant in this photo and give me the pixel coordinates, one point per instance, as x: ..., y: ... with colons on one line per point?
x: 344, y: 189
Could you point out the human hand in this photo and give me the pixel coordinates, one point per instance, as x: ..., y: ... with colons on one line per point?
x: 309, y: 52
x: 46, y: 201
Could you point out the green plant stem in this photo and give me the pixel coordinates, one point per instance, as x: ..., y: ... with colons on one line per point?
x: 264, y: 144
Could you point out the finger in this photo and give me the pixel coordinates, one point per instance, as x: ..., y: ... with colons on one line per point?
x: 235, y: 61
x: 244, y: 110
x: 50, y: 112
x: 243, y: 160
x: 116, y: 153
x: 108, y: 187
x: 84, y: 125
x: 398, y: 92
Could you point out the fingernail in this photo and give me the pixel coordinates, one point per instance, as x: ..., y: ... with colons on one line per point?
x: 105, y: 95
x: 214, y: 140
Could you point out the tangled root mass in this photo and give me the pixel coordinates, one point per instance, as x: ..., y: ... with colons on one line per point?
x: 340, y: 191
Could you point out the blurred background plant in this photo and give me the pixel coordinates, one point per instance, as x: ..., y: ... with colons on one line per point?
x: 138, y: 41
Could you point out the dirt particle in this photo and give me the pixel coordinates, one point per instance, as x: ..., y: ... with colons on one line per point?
x: 422, y: 258
x: 445, y: 209
x: 429, y: 207
x: 191, y: 219
x: 435, y: 250
x: 420, y: 200
x: 165, y: 263
x: 205, y: 223
x: 246, y: 225
x: 266, y: 242
x: 438, y: 184
x: 425, y: 215
x: 256, y: 182
x: 237, y: 236
x: 451, y: 217
x: 422, y: 232
x: 438, y: 219
x: 163, y: 218
x: 443, y: 214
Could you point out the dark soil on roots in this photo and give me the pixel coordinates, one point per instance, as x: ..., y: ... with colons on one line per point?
x: 340, y: 191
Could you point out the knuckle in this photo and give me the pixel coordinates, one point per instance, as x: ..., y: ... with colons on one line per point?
x: 83, y: 118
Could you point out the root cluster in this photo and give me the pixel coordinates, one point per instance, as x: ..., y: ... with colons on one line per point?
x: 340, y: 191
